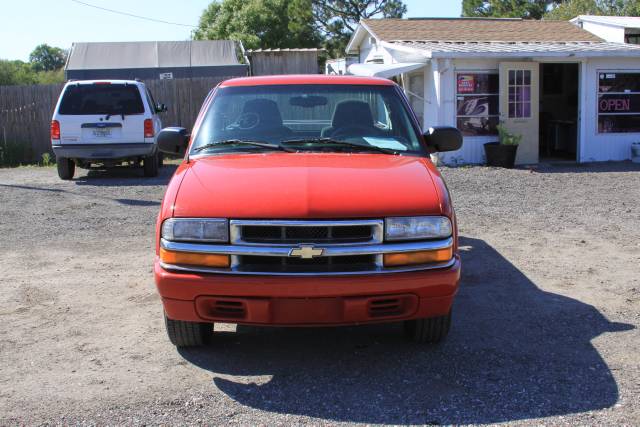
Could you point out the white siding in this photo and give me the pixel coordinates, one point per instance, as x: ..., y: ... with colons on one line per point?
x: 604, y: 146
x: 373, y: 51
x: 606, y: 32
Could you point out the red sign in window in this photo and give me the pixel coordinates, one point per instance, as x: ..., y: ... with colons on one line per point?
x: 466, y: 83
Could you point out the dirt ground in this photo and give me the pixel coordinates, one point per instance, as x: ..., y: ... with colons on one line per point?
x: 545, y: 330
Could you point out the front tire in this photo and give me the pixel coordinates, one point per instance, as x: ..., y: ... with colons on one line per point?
x: 429, y: 330
x: 188, y: 334
x: 66, y: 168
x: 150, y: 165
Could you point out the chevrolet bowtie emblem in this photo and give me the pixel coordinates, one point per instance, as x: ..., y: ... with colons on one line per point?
x: 306, y: 252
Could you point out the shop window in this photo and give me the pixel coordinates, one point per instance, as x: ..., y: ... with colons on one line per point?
x: 477, y: 103
x: 633, y: 38
x: 618, y: 102
x: 519, y: 93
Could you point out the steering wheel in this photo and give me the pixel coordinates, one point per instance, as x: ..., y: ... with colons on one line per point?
x: 248, y: 121
x: 352, y: 130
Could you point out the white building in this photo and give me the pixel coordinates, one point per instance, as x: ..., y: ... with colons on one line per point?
x: 616, y: 29
x: 571, y: 94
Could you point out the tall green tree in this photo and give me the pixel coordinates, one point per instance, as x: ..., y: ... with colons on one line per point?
x: 47, y: 58
x: 572, y: 8
x: 337, y: 19
x: 527, y: 9
x: 259, y: 23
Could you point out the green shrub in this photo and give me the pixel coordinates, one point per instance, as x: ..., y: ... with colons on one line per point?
x: 507, y: 138
x: 46, y: 159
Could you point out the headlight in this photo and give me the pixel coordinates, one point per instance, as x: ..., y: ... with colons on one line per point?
x: 195, y: 230
x: 418, y: 227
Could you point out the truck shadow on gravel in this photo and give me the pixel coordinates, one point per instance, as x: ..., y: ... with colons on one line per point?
x: 515, y: 352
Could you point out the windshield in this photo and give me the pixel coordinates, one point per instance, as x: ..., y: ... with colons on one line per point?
x: 86, y: 99
x: 307, y: 118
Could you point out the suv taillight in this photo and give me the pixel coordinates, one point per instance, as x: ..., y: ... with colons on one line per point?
x: 148, y: 128
x: 55, y: 129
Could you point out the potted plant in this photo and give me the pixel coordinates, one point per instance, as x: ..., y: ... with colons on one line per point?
x: 503, y: 152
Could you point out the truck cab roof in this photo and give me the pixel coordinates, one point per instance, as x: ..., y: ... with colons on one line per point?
x: 302, y: 79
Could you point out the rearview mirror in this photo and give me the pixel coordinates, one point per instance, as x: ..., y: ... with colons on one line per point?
x: 443, y: 138
x: 173, y: 140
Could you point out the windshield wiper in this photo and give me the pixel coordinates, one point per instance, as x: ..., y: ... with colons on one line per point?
x: 338, y: 142
x: 253, y: 143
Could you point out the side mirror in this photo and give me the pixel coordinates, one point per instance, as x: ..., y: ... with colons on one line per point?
x: 161, y: 108
x: 173, y: 140
x: 443, y: 138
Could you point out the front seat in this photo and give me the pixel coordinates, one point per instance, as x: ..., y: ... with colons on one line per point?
x: 350, y: 113
x: 269, y: 118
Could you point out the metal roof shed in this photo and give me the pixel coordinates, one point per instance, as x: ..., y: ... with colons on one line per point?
x: 155, y: 60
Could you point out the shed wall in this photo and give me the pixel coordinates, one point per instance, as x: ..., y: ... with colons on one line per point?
x: 284, y: 62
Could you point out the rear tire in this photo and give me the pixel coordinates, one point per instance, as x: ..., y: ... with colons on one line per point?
x: 429, y: 330
x: 150, y: 165
x: 160, y: 160
x: 188, y: 334
x: 66, y: 168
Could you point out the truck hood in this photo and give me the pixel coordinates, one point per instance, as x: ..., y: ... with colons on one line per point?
x: 307, y: 185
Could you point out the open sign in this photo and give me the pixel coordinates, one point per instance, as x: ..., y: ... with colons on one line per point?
x: 615, y: 104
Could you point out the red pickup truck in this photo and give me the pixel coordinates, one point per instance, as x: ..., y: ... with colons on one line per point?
x: 306, y: 201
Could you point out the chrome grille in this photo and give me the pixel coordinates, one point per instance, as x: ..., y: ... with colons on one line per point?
x: 305, y: 232
x: 306, y: 247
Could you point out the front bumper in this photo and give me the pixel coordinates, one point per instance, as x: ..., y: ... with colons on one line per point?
x: 307, y: 300
x: 105, y: 151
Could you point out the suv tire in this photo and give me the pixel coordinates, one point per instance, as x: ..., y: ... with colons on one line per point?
x: 429, y: 330
x: 188, y: 334
x: 66, y: 168
x: 160, y: 160
x: 150, y: 165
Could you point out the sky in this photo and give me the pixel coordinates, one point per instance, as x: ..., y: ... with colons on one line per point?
x: 26, y: 23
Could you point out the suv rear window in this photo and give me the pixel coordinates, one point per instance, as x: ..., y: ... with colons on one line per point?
x: 88, y: 99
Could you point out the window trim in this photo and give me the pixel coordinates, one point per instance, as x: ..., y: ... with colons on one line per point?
x: 597, y: 100
x: 458, y: 71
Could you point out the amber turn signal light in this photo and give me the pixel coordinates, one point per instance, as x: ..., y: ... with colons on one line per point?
x: 419, y: 257
x: 191, y: 258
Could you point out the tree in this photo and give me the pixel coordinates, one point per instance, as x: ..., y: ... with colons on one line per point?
x: 572, y: 8
x: 528, y: 9
x: 47, y: 58
x: 16, y: 73
x: 260, y: 23
x: 338, y: 19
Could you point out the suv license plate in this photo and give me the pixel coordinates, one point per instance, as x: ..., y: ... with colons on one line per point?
x: 102, y: 133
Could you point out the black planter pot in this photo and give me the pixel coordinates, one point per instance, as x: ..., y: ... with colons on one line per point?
x: 503, y: 156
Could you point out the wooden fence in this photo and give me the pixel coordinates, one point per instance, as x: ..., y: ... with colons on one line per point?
x: 25, y: 113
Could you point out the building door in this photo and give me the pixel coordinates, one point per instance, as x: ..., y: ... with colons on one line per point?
x: 519, y: 105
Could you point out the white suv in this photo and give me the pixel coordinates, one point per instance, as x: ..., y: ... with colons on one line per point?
x: 106, y: 122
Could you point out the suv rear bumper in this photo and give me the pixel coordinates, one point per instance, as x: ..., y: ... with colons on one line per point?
x: 105, y: 151
x: 307, y: 300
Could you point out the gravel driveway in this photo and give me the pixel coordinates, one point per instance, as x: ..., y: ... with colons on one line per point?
x: 545, y: 327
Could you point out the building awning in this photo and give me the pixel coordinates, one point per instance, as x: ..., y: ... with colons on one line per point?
x: 383, y: 70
